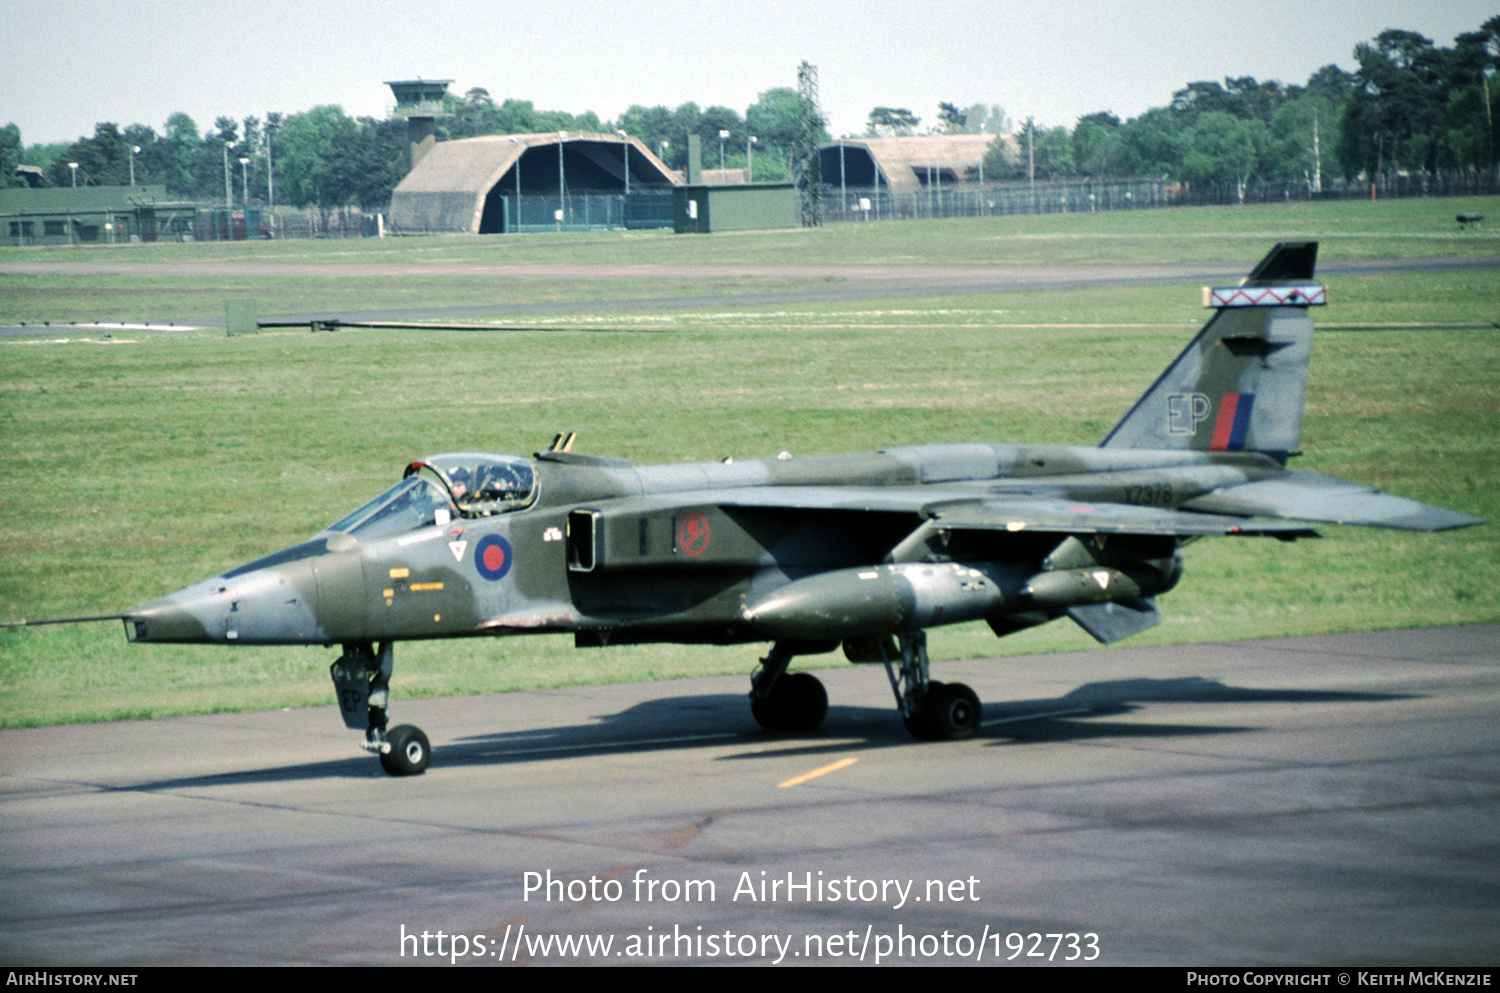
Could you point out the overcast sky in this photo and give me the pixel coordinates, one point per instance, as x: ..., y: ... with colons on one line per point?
x: 74, y: 63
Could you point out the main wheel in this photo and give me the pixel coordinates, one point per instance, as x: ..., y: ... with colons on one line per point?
x: 409, y: 752
x: 797, y: 702
x: 948, y: 711
x: 916, y: 723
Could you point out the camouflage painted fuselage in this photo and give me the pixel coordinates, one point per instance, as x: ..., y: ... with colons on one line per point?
x: 686, y: 553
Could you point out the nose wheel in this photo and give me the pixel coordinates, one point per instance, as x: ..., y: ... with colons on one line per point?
x: 409, y: 751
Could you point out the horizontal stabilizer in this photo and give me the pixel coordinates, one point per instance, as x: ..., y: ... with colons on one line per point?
x: 1112, y: 621
x: 1312, y: 496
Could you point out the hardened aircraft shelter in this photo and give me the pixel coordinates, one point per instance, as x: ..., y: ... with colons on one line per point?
x: 873, y: 179
x: 903, y: 165
x: 568, y: 181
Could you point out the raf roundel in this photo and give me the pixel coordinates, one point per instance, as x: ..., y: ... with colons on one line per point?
x: 492, y: 557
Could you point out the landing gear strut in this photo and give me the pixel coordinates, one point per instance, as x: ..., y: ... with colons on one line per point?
x: 781, y: 702
x: 930, y: 710
x: 361, y: 681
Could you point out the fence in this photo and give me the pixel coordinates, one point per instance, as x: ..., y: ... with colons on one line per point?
x: 588, y: 212
x: 842, y: 203
x: 1088, y: 196
x: 653, y: 208
x: 1391, y: 186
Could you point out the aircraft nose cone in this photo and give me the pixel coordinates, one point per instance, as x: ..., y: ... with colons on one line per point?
x: 265, y: 606
x: 165, y: 619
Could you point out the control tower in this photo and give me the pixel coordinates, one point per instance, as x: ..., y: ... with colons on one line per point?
x: 420, y: 101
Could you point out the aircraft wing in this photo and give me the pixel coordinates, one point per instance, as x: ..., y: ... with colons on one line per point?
x: 1086, y: 517
x: 965, y: 509
x: 1295, y: 496
x: 1312, y: 496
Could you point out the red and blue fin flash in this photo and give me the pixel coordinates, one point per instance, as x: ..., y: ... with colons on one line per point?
x: 1233, y: 422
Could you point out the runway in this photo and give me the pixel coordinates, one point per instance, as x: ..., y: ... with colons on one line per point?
x: 1301, y: 801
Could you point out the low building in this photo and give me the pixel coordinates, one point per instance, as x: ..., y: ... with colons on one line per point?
x: 92, y: 214
x: 705, y: 208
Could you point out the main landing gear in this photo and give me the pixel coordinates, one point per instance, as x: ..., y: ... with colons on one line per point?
x: 361, y: 681
x: 781, y: 702
x: 931, y: 711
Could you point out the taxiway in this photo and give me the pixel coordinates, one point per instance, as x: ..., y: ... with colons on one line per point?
x: 1303, y: 801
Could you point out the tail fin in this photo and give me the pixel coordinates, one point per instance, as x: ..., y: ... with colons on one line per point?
x: 1240, y: 384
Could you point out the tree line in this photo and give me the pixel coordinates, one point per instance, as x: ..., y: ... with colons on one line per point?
x: 324, y: 158
x: 320, y: 157
x: 1410, y: 107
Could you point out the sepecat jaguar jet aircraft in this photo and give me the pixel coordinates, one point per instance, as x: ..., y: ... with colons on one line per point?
x: 862, y: 551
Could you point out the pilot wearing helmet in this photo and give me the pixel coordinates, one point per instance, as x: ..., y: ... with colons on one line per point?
x: 460, y: 482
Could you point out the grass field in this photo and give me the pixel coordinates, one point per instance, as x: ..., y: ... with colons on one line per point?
x: 146, y: 460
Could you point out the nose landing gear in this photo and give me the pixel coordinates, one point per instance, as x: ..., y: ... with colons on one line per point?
x: 361, y: 681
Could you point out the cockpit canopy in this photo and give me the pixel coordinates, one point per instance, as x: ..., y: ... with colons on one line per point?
x: 439, y: 488
x: 482, y: 485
